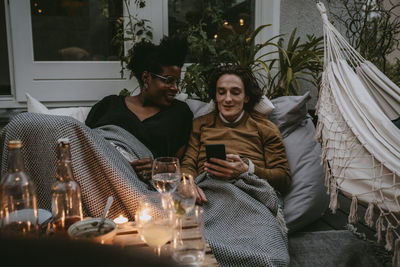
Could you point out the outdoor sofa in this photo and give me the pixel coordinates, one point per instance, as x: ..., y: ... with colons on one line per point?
x: 305, y: 202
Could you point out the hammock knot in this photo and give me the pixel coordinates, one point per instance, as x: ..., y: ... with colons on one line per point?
x: 322, y: 10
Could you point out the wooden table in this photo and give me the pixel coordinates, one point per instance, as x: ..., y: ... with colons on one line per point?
x: 127, y: 236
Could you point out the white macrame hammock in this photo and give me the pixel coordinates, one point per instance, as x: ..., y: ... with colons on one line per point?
x: 361, y: 144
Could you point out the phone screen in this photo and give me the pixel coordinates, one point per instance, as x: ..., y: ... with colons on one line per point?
x: 215, y: 151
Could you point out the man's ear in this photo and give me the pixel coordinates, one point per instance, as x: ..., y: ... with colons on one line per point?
x: 246, y: 99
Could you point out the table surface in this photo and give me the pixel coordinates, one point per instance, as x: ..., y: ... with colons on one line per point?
x: 127, y: 236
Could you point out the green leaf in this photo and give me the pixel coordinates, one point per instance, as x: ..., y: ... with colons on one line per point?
x: 257, y: 31
x: 124, y: 92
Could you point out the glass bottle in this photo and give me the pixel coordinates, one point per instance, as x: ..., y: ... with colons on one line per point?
x: 66, y: 201
x: 18, y: 196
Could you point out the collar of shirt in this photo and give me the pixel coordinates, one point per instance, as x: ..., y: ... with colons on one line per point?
x: 228, y: 122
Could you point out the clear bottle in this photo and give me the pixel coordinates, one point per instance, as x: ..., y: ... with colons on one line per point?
x: 19, y: 214
x: 66, y: 201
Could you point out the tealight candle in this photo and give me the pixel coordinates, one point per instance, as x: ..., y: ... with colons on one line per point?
x: 144, y: 216
x: 121, y: 221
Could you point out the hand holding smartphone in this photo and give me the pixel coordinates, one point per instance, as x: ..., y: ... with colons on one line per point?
x: 215, y: 151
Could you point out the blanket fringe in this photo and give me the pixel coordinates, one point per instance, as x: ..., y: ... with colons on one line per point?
x: 281, y: 220
x: 353, y: 216
x: 369, y: 215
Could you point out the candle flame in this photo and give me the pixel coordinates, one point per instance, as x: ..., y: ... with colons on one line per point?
x: 120, y: 219
x: 144, y: 216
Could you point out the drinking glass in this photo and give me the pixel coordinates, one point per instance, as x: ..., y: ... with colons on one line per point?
x: 155, y: 220
x: 166, y: 173
x: 189, y: 245
x: 185, y: 195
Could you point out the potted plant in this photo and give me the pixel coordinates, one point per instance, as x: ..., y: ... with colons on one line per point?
x: 131, y: 29
x: 278, y: 69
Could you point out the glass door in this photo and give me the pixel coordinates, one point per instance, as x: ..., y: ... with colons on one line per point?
x: 63, y: 50
x: 78, y: 30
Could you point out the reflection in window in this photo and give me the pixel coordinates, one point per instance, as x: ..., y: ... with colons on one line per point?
x: 5, y: 88
x: 238, y: 16
x: 75, y: 29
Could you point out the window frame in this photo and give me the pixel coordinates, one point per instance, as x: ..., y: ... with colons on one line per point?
x: 72, y: 83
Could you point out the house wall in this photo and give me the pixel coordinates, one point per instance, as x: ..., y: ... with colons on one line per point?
x: 303, y: 15
x: 395, y: 55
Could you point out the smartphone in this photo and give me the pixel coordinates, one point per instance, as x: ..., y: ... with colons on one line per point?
x: 215, y: 151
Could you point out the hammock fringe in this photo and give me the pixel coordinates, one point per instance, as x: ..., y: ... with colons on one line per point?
x: 334, y: 204
x: 389, y: 238
x: 353, y: 216
x: 396, y: 254
x: 369, y: 215
x: 379, y: 228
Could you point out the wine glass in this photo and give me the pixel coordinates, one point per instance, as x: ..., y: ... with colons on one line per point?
x: 155, y: 220
x: 185, y: 195
x: 166, y: 173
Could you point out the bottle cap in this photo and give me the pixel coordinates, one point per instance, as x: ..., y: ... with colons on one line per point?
x: 63, y: 141
x: 14, y: 144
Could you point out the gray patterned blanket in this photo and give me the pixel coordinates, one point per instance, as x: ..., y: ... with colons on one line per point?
x: 241, y: 217
x: 244, y: 222
x: 98, y: 167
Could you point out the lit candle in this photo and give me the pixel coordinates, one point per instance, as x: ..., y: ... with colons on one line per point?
x: 144, y: 216
x: 121, y: 221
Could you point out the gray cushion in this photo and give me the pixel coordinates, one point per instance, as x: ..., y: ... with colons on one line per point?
x: 306, y: 200
x: 289, y: 112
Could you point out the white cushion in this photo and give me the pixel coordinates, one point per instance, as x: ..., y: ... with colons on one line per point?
x: 265, y: 106
x: 200, y: 108
x: 78, y: 113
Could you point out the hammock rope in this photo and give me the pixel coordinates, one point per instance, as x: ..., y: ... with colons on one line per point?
x: 360, y: 144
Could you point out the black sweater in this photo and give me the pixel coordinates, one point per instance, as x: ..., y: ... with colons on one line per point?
x: 163, y: 133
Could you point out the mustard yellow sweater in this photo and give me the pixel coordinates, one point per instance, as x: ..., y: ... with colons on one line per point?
x: 253, y: 137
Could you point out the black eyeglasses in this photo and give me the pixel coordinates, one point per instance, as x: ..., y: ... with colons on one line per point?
x: 170, y: 80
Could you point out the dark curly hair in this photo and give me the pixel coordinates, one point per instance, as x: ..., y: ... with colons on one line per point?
x: 146, y: 56
x: 251, y: 87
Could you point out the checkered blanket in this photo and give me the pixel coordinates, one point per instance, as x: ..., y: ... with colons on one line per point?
x: 98, y: 167
x: 244, y: 222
